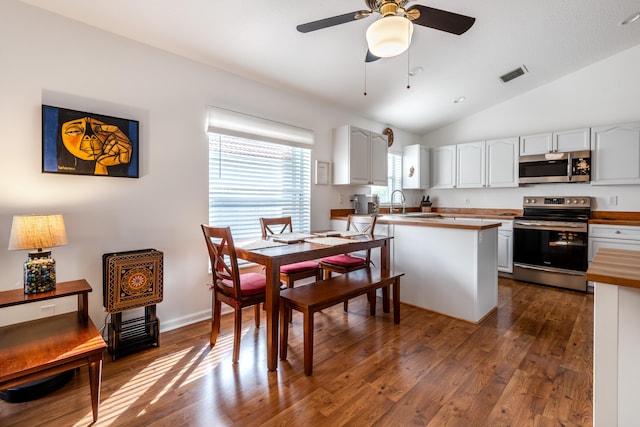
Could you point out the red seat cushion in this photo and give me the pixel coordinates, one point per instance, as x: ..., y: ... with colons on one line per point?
x: 250, y: 283
x: 344, y: 260
x: 298, y: 266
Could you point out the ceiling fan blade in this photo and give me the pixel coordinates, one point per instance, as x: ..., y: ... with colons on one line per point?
x: 442, y: 20
x: 334, y: 20
x: 370, y: 57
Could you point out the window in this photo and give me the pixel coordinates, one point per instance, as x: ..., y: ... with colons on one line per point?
x: 394, y: 179
x: 249, y: 179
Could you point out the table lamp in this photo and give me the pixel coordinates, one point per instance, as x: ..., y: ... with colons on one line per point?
x: 37, y: 232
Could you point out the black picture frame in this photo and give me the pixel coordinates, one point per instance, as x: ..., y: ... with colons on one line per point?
x: 81, y: 143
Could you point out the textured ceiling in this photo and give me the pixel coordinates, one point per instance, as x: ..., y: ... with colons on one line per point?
x: 258, y: 39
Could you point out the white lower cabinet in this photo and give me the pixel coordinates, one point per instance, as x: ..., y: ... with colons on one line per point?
x: 612, y: 236
x: 505, y: 247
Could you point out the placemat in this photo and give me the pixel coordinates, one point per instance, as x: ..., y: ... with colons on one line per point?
x: 292, y: 235
x: 330, y: 241
x: 351, y: 233
x: 258, y: 244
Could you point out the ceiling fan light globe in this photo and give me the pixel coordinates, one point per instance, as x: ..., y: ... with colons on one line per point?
x: 389, y: 36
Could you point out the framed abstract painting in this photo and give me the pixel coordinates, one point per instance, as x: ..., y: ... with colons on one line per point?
x: 80, y: 143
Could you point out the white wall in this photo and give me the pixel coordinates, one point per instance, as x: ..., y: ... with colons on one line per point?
x: 47, y: 59
x: 604, y: 93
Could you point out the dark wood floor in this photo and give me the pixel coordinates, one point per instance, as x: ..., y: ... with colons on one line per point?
x: 529, y: 364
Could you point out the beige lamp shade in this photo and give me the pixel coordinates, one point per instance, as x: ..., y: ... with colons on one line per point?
x: 389, y: 36
x: 37, y: 232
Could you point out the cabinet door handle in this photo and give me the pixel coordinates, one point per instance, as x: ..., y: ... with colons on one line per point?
x: 617, y: 231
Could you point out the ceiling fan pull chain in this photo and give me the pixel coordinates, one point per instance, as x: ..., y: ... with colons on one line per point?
x: 365, y: 79
x: 408, y: 67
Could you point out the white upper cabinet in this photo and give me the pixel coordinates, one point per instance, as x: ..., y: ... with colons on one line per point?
x: 444, y: 167
x: 492, y: 163
x: 502, y: 162
x: 616, y: 154
x: 572, y: 140
x: 378, y: 146
x: 536, y: 144
x: 359, y: 157
x: 415, y: 167
x: 551, y: 142
x: 471, y: 164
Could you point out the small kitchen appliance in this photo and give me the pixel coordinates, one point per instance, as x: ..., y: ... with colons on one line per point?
x: 366, y: 204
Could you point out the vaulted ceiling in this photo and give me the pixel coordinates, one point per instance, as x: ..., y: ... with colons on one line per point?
x: 259, y: 40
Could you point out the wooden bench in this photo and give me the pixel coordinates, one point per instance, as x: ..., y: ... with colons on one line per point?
x: 325, y: 293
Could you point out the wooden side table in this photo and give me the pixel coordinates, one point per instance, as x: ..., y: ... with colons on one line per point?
x: 40, y: 348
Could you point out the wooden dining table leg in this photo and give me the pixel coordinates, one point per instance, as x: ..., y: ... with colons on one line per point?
x: 272, y: 302
x: 385, y: 267
x: 396, y: 301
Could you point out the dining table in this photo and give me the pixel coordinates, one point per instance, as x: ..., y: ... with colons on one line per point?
x: 272, y: 255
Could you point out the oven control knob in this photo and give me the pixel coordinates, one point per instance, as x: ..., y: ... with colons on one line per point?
x: 582, y: 202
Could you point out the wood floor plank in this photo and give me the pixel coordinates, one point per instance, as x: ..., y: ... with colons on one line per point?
x: 529, y: 363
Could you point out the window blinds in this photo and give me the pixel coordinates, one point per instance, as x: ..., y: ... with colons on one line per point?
x: 249, y: 179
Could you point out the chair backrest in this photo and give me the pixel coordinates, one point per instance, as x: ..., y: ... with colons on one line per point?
x: 362, y: 223
x: 275, y: 226
x: 220, y: 243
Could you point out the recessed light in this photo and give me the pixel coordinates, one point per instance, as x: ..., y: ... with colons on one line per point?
x: 631, y: 18
x: 459, y: 100
x: 415, y: 70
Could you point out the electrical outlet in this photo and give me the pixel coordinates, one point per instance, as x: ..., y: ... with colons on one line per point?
x: 467, y: 200
x: 341, y: 199
x: 613, y: 200
x: 48, y: 310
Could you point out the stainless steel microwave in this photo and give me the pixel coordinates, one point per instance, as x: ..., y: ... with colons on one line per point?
x: 574, y: 166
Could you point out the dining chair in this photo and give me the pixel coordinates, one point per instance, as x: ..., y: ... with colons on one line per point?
x: 289, y: 273
x: 229, y: 286
x: 345, y: 263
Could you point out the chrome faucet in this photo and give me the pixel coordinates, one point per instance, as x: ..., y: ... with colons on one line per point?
x: 404, y: 206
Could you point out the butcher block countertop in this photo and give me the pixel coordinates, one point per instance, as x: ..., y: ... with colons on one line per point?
x: 465, y: 224
x: 615, y: 218
x: 438, y: 219
x: 615, y: 266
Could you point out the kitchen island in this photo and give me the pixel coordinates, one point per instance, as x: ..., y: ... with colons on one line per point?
x: 450, y: 265
x: 616, y: 343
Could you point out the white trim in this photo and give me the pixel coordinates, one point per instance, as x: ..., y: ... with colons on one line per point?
x: 220, y: 120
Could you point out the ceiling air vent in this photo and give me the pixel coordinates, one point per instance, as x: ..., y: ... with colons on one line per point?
x: 513, y: 74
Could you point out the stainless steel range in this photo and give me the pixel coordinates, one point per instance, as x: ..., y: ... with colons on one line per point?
x: 550, y: 241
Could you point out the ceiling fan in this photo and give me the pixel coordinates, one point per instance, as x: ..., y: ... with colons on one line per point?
x: 390, y: 35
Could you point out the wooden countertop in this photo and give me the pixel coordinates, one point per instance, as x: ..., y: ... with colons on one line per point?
x: 615, y: 266
x: 615, y: 218
x: 465, y: 224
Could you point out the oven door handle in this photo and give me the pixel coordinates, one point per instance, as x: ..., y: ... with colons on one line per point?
x: 525, y: 225
x: 566, y: 243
